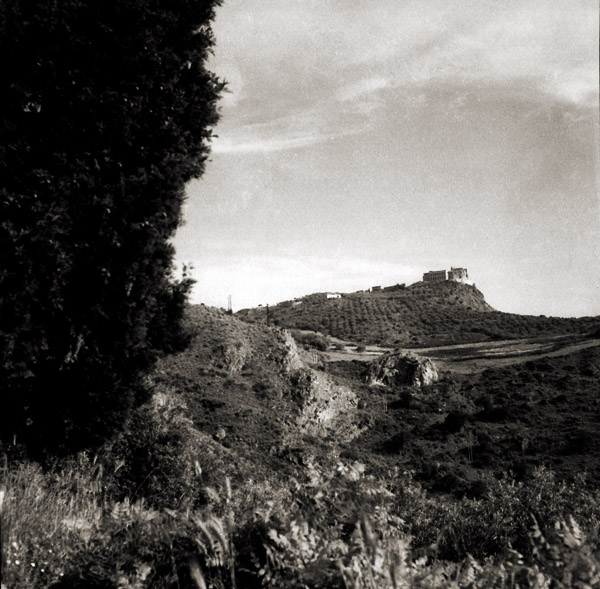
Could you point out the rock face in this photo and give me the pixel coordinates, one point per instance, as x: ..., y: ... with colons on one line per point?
x: 401, y: 368
x: 234, y: 354
x: 324, y: 405
x: 286, y: 354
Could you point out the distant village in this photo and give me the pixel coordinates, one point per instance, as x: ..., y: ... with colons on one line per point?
x: 453, y: 275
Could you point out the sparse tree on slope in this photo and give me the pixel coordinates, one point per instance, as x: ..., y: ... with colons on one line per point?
x: 107, y: 113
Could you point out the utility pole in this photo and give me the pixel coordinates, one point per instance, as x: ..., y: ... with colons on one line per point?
x: 229, y: 308
x: 268, y: 317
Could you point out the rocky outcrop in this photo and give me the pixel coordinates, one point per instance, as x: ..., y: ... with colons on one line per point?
x: 401, y: 368
x: 290, y: 359
x: 234, y: 354
x: 324, y: 405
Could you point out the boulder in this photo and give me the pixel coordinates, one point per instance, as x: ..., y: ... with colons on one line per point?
x: 401, y: 368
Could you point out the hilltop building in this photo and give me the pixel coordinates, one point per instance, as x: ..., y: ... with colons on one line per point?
x: 453, y: 275
x: 435, y: 276
x: 459, y: 275
x: 334, y: 295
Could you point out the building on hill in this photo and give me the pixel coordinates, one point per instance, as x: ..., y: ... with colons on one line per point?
x: 435, y: 276
x: 394, y: 287
x: 375, y: 288
x: 459, y: 275
x: 453, y: 275
x: 334, y: 295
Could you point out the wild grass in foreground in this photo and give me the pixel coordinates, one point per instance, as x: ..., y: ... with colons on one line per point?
x: 106, y: 522
x: 334, y: 529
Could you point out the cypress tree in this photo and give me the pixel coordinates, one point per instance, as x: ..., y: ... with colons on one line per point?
x: 107, y: 113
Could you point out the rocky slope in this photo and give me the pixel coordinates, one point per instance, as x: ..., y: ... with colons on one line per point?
x: 273, y: 407
x: 248, y: 388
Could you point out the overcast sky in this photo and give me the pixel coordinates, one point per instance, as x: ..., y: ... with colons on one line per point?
x: 363, y: 143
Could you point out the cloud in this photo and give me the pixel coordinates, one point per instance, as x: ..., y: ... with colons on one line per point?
x: 303, y: 73
x: 302, y: 51
x: 578, y: 88
x: 264, y: 145
x: 361, y: 88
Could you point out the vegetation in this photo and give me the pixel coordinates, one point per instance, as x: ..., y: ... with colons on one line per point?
x: 107, y: 113
x: 310, y: 340
x: 420, y: 315
x: 513, y: 418
x: 331, y: 527
x: 231, y: 462
x: 217, y: 482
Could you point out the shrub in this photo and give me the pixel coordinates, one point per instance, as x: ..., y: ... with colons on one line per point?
x: 395, y: 444
x: 310, y: 340
x: 454, y: 422
x: 60, y: 529
x: 156, y: 457
x: 331, y: 526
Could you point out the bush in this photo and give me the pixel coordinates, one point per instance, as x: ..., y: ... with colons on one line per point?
x: 60, y: 529
x: 395, y: 444
x: 454, y: 422
x: 310, y: 340
x: 331, y: 526
x: 156, y: 456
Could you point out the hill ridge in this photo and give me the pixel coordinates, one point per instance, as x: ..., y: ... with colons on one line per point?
x: 420, y: 315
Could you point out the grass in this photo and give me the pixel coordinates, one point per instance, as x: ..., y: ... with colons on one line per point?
x: 333, y: 527
x: 44, y: 518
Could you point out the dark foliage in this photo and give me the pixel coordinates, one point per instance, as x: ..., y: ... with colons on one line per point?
x: 107, y: 113
x: 310, y: 340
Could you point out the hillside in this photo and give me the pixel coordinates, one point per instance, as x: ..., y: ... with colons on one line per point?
x: 274, y: 405
x: 420, y: 315
x: 262, y: 464
x: 512, y: 418
x: 247, y: 387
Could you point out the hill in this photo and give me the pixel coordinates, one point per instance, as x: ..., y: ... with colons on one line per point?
x: 511, y: 418
x: 262, y: 464
x: 247, y: 387
x: 274, y: 405
x: 420, y: 315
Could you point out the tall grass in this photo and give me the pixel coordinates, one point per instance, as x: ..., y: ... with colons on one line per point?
x: 46, y: 518
x: 337, y: 528
x: 81, y: 523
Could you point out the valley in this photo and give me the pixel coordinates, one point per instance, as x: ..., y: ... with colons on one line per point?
x: 475, y: 357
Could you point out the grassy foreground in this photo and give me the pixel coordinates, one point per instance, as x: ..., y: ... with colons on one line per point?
x: 99, y: 523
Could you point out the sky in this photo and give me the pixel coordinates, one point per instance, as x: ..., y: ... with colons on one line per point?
x: 364, y: 143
